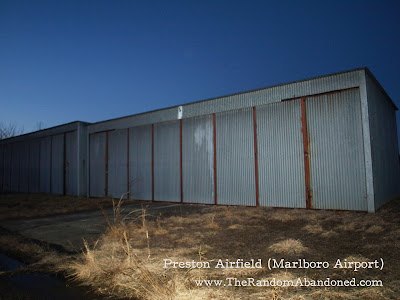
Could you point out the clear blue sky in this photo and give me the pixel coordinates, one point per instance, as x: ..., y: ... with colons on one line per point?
x: 62, y: 61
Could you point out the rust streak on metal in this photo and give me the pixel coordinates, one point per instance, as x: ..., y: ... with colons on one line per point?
x: 255, y: 155
x: 306, y: 152
x: 215, y: 160
x: 152, y: 162
x: 180, y: 158
x: 106, y: 167
x: 127, y: 163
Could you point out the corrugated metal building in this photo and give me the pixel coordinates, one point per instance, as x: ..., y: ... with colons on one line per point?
x: 328, y: 142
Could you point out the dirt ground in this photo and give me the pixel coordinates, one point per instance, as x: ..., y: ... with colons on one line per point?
x: 130, y: 259
x: 17, y: 206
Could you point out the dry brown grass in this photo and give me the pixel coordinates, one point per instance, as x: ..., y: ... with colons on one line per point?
x: 289, y: 246
x: 127, y: 261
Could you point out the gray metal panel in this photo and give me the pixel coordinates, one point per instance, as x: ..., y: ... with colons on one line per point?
x: 57, y: 164
x: 198, y: 160
x: 336, y: 151
x: 166, y: 162
x: 385, y: 151
x: 1, y: 167
x: 267, y: 95
x: 15, y: 169
x: 81, y: 151
x: 7, y: 168
x: 117, y: 163
x: 280, y: 155
x: 97, y: 164
x: 71, y: 164
x: 44, y: 133
x: 45, y: 164
x: 140, y: 162
x: 34, y: 158
x: 23, y: 168
x: 235, y: 158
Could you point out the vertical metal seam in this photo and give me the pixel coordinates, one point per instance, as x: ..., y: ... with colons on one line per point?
x: 39, y: 166
x: 152, y: 162
x: 304, y: 131
x: 4, y: 169
x: 127, y: 164
x: 180, y: 157
x: 28, y: 166
x: 51, y: 164
x: 64, y: 165
x: 106, y: 167
x: 255, y: 155
x: 215, y: 161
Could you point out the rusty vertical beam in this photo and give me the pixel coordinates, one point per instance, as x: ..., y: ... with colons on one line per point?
x: 65, y: 165
x: 51, y: 164
x: 180, y: 157
x: 256, y: 155
x: 106, y: 167
x: 215, y: 160
x: 127, y: 164
x: 304, y: 131
x: 152, y: 162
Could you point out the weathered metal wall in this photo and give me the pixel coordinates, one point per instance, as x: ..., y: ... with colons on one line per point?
x: 259, y: 97
x: 23, y: 184
x: 7, y: 168
x: 336, y: 151
x: 140, y: 167
x: 385, y: 151
x: 97, y: 164
x: 1, y: 167
x: 198, y: 160
x: 235, y: 158
x: 45, y: 164
x: 15, y: 157
x: 71, y: 171
x: 34, y: 159
x: 280, y: 155
x: 57, y: 164
x: 167, y: 162
x: 117, y: 163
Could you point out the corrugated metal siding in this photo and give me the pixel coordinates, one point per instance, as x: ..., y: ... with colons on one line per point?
x: 166, y: 162
x: 280, y: 155
x: 198, y: 160
x: 7, y: 168
x: 385, y: 151
x: 140, y: 162
x: 45, y: 162
x: 23, y: 168
x: 71, y: 180
x: 57, y: 164
x: 336, y: 151
x: 34, y: 166
x: 245, y: 100
x: 1, y: 167
x: 15, y: 167
x: 97, y: 164
x: 117, y: 163
x: 235, y: 158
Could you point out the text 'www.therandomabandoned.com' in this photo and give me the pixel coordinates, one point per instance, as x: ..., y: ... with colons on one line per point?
x: 299, y: 282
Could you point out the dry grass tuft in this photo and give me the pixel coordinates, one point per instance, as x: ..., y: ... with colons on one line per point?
x: 314, y: 229
x: 289, y: 246
x: 375, y: 229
